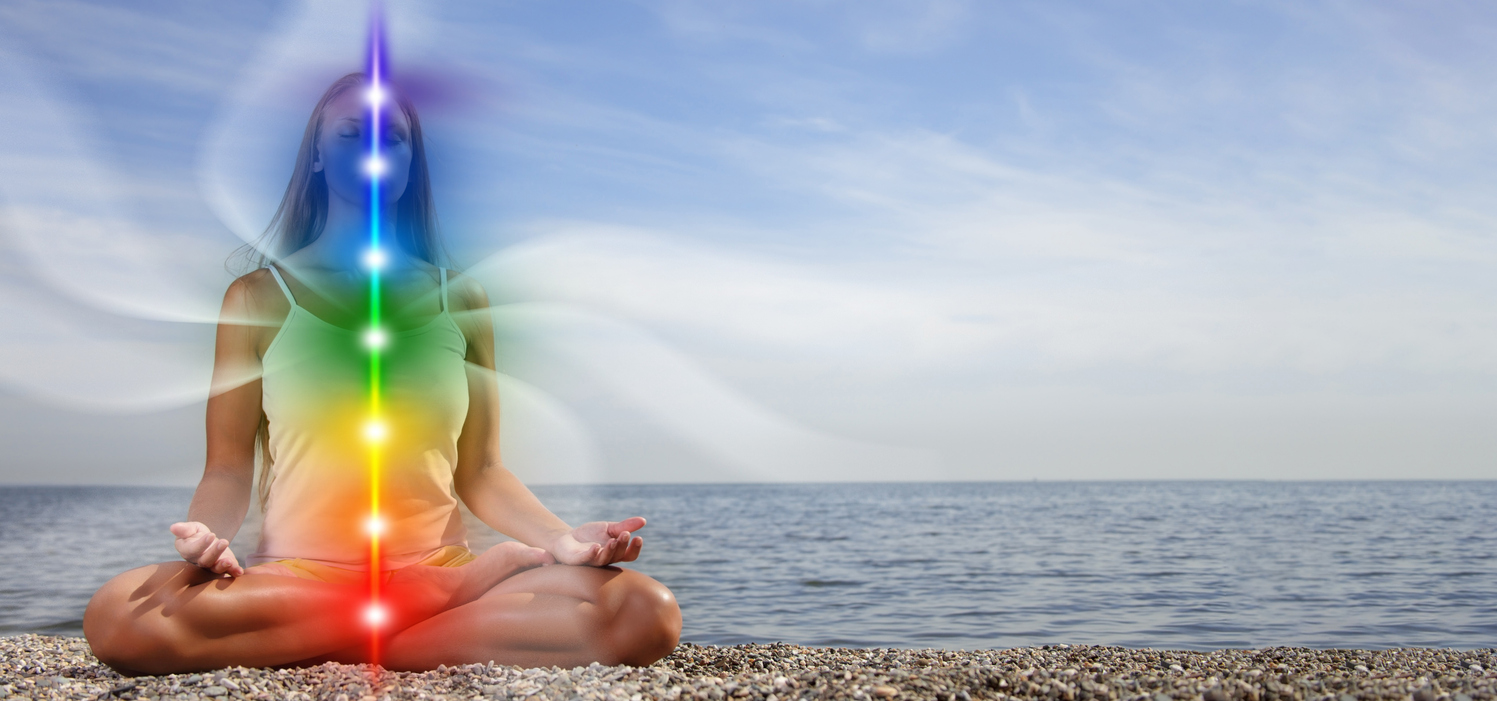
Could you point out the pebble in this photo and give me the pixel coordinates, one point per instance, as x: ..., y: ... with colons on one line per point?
x: 50, y: 667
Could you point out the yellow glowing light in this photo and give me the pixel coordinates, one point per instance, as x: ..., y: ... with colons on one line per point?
x: 376, y: 525
x: 375, y: 614
x: 375, y: 430
x: 375, y: 338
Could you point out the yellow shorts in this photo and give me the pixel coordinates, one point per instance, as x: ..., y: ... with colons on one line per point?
x: 448, y: 556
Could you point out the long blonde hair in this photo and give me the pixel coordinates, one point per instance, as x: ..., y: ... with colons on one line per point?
x: 302, y: 214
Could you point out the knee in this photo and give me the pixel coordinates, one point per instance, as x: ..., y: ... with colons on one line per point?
x: 106, y: 621
x: 113, y: 625
x: 647, y: 625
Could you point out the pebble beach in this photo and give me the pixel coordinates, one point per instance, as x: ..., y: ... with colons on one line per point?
x: 53, y: 667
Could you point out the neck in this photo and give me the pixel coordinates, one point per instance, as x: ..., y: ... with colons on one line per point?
x: 345, y: 236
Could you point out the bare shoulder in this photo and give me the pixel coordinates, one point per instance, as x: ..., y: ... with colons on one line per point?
x: 470, y: 306
x: 256, y: 297
x: 465, y: 292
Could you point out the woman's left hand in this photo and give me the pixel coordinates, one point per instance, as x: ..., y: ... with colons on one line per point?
x: 599, y: 543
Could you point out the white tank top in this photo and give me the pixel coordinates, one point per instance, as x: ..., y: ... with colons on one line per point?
x: 315, y: 388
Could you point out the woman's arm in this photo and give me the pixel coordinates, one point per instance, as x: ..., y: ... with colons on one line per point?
x: 491, y: 491
x: 222, y: 498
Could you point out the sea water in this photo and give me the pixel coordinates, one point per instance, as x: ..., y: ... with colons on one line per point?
x: 1192, y: 565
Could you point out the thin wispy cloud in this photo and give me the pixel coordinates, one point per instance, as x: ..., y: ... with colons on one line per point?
x: 892, y: 222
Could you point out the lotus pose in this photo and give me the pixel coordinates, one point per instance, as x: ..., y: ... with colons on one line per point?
x: 292, y: 381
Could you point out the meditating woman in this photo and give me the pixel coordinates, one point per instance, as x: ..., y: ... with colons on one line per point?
x: 292, y: 377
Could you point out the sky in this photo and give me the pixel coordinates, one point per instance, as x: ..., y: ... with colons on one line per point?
x: 808, y: 241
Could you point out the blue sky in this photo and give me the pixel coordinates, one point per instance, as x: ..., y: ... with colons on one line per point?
x: 817, y: 240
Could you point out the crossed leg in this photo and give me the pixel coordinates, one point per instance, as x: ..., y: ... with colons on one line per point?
x: 175, y: 617
x: 554, y: 615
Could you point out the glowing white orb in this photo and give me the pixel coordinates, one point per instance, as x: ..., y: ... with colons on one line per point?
x: 376, y: 94
x: 376, y: 338
x: 376, y: 525
x: 375, y: 430
x: 375, y: 166
x: 375, y: 258
x: 375, y: 614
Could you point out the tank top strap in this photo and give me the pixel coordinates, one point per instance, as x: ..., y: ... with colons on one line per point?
x: 445, y: 306
x: 282, y: 282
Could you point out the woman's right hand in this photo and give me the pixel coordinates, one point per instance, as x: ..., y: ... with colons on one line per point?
x: 197, y: 544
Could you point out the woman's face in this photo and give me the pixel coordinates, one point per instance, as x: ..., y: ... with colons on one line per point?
x: 343, y: 149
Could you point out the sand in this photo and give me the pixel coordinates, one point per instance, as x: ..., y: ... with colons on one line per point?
x: 51, y: 667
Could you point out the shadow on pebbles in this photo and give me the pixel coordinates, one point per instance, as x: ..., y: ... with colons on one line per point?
x: 50, y: 667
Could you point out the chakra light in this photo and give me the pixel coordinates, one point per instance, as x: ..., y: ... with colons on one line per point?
x: 375, y: 430
x: 376, y: 338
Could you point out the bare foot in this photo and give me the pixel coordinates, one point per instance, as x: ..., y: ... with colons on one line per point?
x: 468, y: 582
x: 494, y: 566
